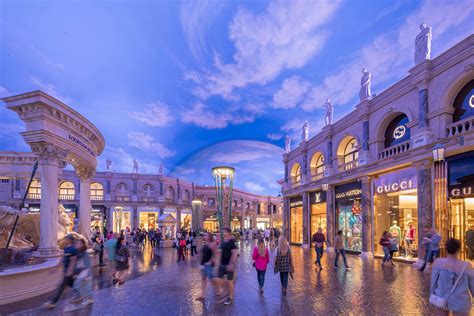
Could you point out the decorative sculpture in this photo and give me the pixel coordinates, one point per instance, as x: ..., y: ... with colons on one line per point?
x: 135, y: 166
x: 328, y: 107
x: 287, y: 144
x: 423, y: 44
x: 365, y: 93
x: 160, y: 169
x: 305, y: 134
x: 108, y: 162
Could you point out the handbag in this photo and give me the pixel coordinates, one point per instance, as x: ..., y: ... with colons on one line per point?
x: 97, y: 247
x: 442, y: 302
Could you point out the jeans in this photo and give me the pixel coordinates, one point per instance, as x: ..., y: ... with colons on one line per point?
x: 284, y: 279
x: 261, y: 277
x: 430, y: 255
x: 67, y: 281
x: 319, y: 255
x: 193, y: 250
x: 101, y: 255
x: 181, y: 253
x: 83, y: 287
x: 386, y: 254
x: 341, y: 252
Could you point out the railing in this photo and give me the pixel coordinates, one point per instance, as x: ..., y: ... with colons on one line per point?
x: 169, y: 201
x: 460, y: 127
x: 67, y: 197
x: 33, y: 196
x: 348, y: 166
x: 148, y: 199
x: 394, y: 150
x: 97, y: 197
x: 122, y: 198
x: 317, y: 176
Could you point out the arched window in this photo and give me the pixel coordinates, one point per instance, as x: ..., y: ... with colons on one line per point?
x: 296, y: 173
x: 186, y: 196
x: 147, y: 191
x: 317, y: 164
x: 34, y: 192
x: 464, y: 103
x: 350, y: 151
x: 67, y: 191
x: 121, y: 192
x: 97, y: 191
x: 170, y: 193
x: 397, y: 132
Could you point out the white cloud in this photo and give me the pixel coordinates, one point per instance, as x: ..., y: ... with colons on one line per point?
x: 203, y: 116
x: 50, y: 89
x: 254, y: 187
x: 4, y: 92
x: 155, y: 114
x: 148, y: 143
x: 274, y: 136
x: 291, y: 93
x: 285, y: 36
x: 238, y: 155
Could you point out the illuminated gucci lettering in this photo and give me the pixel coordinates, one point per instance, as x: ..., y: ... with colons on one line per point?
x: 466, y: 191
x: 394, y: 187
x: 399, y: 132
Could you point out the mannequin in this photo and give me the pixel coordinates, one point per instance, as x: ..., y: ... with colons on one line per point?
x: 409, y: 235
x: 396, y: 232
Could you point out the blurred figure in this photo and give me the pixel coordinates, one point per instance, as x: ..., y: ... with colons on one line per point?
x: 283, y: 262
x: 208, y: 257
x: 229, y: 255
x: 83, y: 283
x: 98, y: 245
x: 340, y: 251
x: 432, y: 247
x: 111, y: 246
x: 261, y: 258
x: 121, y: 258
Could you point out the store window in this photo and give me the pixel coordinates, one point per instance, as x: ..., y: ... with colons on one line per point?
x: 350, y: 151
x: 122, y: 219
x: 34, y: 192
x: 97, y: 191
x: 461, y: 197
x: 296, y: 173
x: 318, y: 211
x: 210, y: 224
x: 186, y: 220
x: 317, y: 165
x: 296, y: 220
x: 349, y: 214
x: 211, y: 202
x: 67, y: 191
x: 397, y: 131
x: 148, y: 220
x: 396, y: 211
x: 121, y: 192
x: 464, y: 103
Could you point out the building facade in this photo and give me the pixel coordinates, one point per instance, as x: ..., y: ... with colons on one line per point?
x: 402, y: 162
x: 121, y: 200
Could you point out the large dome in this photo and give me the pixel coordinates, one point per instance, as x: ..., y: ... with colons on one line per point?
x: 258, y: 165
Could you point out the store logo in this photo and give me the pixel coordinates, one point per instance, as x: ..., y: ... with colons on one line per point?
x: 401, y: 185
x: 399, y: 132
x: 466, y: 191
x: 471, y: 101
x: 317, y: 197
x: 350, y: 193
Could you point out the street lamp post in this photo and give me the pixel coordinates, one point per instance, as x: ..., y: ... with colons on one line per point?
x: 221, y: 174
x: 196, y: 219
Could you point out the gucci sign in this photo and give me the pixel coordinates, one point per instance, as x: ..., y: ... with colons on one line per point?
x: 394, y: 187
x: 461, y: 192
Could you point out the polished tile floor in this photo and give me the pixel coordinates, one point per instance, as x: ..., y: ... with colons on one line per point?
x: 160, y: 286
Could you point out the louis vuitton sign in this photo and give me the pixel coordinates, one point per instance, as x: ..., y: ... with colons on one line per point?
x: 317, y: 197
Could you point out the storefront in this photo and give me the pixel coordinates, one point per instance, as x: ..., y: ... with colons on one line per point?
x: 235, y: 222
x: 97, y: 218
x: 277, y: 223
x: 167, y: 225
x: 210, y: 223
x: 349, y: 214
x: 147, y: 219
x: 186, y: 220
x: 263, y: 223
x: 318, y: 211
x: 461, y: 202
x: 247, y: 222
x: 121, y: 218
x: 296, y: 220
x: 396, y: 211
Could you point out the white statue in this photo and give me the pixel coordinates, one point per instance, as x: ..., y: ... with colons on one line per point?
x: 108, y: 162
x: 287, y: 144
x: 423, y: 44
x: 305, y: 134
x: 135, y: 166
x: 365, y: 93
x: 328, y: 107
x: 160, y: 169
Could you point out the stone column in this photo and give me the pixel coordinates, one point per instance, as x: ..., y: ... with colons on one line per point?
x: 423, y: 107
x: 367, y: 215
x: 85, y: 206
x: 285, y: 161
x: 286, y: 217
x: 108, y: 218
x: 135, y: 215
x: 425, y: 199
x: 178, y: 219
x: 306, y: 215
x: 51, y: 160
x: 330, y: 218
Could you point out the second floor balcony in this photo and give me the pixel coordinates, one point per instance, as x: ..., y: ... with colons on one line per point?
x: 33, y: 196
x: 348, y: 166
x: 394, y: 150
x: 66, y: 197
x: 122, y: 198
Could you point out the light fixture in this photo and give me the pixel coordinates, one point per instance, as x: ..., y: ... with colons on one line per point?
x: 438, y: 152
x: 325, y: 186
x: 223, y: 174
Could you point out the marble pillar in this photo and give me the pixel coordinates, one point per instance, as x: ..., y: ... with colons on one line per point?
x: 178, y: 219
x: 286, y: 217
x: 328, y: 159
x: 306, y: 216
x: 85, y: 206
x: 108, y: 219
x: 365, y: 135
x: 285, y: 160
x: 135, y: 218
x: 367, y: 215
x: 330, y: 218
x: 423, y: 108
x: 425, y: 202
x: 51, y: 160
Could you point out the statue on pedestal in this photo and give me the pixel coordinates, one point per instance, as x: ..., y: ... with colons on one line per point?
x: 287, y: 144
x: 423, y: 44
x: 135, y: 166
x: 108, y: 162
x: 305, y: 134
x: 365, y: 93
x: 328, y: 107
x: 160, y: 169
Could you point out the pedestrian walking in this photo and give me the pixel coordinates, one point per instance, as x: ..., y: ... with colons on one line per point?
x: 452, y: 282
x: 229, y: 255
x: 82, y: 286
x: 208, y: 257
x: 385, y: 243
x: 283, y: 262
x: 181, y: 248
x: 69, y: 263
x: 261, y: 258
x: 340, y: 251
x: 98, y: 244
x: 121, y: 258
x: 193, y: 242
x: 266, y: 234
x: 111, y: 247
x: 318, y: 240
x: 432, y: 247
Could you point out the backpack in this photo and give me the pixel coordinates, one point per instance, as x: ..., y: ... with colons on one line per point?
x: 182, y: 243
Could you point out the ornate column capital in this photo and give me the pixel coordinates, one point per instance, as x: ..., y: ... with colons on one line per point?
x: 84, y: 173
x: 49, y: 153
x: 365, y: 179
x: 423, y: 164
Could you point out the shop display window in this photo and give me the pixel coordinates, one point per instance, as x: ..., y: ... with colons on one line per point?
x: 462, y: 225
x: 186, y: 220
x: 318, y: 218
x: 349, y: 220
x: 296, y: 218
x: 148, y: 220
x: 121, y: 220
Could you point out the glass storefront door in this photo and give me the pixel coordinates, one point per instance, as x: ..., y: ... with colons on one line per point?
x: 121, y: 220
x: 296, y: 219
x: 462, y: 225
x: 318, y: 218
x: 186, y: 220
x: 147, y: 220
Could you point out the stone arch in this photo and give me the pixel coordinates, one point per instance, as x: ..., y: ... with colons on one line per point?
x: 121, y: 189
x: 186, y: 195
x: 317, y: 164
x: 147, y: 190
x: 170, y: 192
x: 296, y: 173
x: 34, y: 192
x: 348, y: 152
x: 454, y: 87
x: 388, y: 117
x: 97, y: 191
x: 67, y: 190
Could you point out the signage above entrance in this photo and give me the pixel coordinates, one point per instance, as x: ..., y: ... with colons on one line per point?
x: 317, y: 197
x: 81, y: 143
x: 351, y: 190
x: 396, y: 181
x: 296, y: 201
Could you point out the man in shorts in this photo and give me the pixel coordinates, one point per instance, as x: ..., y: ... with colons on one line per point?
x: 229, y: 254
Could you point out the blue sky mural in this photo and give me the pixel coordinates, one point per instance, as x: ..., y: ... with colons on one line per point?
x: 182, y: 82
